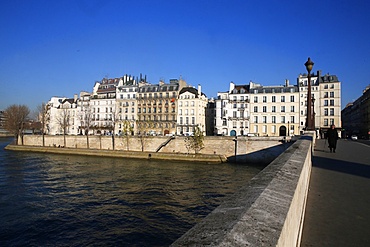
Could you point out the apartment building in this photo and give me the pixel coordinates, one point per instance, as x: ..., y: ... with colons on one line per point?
x: 232, y: 111
x: 103, y: 106
x: 62, y: 115
x: 157, y: 107
x: 126, y: 104
x: 356, y: 116
x: 326, y: 100
x: 191, y: 113
x: 274, y: 110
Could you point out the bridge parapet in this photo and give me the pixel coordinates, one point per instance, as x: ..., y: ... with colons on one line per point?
x: 268, y: 211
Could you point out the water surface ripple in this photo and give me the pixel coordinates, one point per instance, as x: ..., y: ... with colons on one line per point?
x: 61, y: 200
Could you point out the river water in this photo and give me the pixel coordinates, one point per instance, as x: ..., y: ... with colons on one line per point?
x: 62, y: 200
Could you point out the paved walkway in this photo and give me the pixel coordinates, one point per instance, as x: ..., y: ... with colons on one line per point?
x: 338, y: 205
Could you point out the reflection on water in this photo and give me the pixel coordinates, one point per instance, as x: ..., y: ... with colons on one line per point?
x: 62, y: 200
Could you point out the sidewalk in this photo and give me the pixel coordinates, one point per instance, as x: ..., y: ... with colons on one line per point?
x: 338, y: 204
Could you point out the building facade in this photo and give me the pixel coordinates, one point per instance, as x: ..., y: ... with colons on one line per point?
x: 191, y: 113
x: 232, y: 111
x: 157, y: 107
x: 274, y: 110
x: 356, y: 116
x: 326, y: 98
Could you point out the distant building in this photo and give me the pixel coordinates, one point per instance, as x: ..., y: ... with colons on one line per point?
x: 232, y: 111
x: 326, y: 92
x: 191, y: 113
x: 274, y: 110
x: 156, y: 107
x: 356, y: 116
x: 3, y: 132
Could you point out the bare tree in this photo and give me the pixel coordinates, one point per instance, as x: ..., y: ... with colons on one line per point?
x: 127, y: 130
x: 15, y: 117
x: 63, y: 120
x: 142, y: 133
x: 86, y: 119
x: 195, y: 142
x: 41, y: 117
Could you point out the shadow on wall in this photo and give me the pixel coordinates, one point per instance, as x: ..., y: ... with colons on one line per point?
x: 262, y: 157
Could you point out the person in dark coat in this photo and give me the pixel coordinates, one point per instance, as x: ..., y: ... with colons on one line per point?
x: 332, y: 136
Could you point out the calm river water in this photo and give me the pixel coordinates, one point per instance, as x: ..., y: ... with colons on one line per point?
x: 61, y: 200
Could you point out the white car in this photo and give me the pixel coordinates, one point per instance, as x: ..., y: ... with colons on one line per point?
x: 354, y: 137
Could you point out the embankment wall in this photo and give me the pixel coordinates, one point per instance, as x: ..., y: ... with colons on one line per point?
x: 268, y: 211
x: 241, y: 149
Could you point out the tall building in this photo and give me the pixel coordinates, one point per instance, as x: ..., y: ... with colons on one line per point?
x: 232, y: 111
x: 191, y: 113
x: 326, y: 97
x: 356, y: 116
x: 126, y: 104
x: 274, y: 110
x: 103, y: 105
x: 157, y: 107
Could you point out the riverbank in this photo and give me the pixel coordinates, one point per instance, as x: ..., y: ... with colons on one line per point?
x: 207, y: 158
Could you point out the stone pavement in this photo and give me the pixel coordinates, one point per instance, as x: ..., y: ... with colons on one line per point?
x: 338, y: 204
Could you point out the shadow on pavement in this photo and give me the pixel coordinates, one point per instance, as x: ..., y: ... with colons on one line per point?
x: 342, y: 166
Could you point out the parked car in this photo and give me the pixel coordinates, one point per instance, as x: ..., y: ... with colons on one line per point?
x: 354, y: 137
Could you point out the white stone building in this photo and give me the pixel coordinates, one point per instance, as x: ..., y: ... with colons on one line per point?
x: 191, y: 112
x: 326, y: 92
x: 274, y: 110
x: 232, y: 111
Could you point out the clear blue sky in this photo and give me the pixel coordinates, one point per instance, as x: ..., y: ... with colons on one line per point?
x: 59, y: 48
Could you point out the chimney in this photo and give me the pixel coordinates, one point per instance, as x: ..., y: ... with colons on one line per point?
x: 232, y: 86
x: 199, y: 90
x: 286, y: 82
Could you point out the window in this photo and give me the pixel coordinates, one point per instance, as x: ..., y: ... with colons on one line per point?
x: 273, y: 118
x: 282, y: 119
x: 273, y: 129
x: 331, y: 94
x: 255, y: 109
x: 264, y: 99
x: 264, y: 109
x: 326, y: 123
x: 234, y: 114
x: 292, y: 98
x: 256, y: 119
x: 292, y: 108
x: 192, y: 120
x: 180, y: 120
x: 326, y: 102
x: 255, y: 99
x: 264, y: 119
x: 292, y: 119
x: 273, y: 98
x: 326, y: 86
x: 264, y: 128
x: 331, y: 102
x: 326, y: 112
x: 282, y: 108
x: 331, y: 121
x: 224, y: 123
x: 273, y: 108
x: 282, y: 98
x: 331, y: 111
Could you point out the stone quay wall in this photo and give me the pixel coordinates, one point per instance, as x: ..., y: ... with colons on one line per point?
x: 260, y: 150
x: 268, y: 211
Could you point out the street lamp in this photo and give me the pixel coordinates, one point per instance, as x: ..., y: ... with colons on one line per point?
x: 309, y: 123
x: 313, y: 111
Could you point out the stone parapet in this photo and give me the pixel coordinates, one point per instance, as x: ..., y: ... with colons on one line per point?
x: 268, y: 211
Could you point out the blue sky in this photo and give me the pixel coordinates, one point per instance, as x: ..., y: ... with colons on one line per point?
x: 59, y: 48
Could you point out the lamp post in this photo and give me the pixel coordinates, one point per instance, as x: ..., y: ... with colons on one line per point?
x: 309, y: 64
x: 313, y: 111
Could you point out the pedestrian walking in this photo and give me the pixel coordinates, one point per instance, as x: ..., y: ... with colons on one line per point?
x: 332, y: 136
